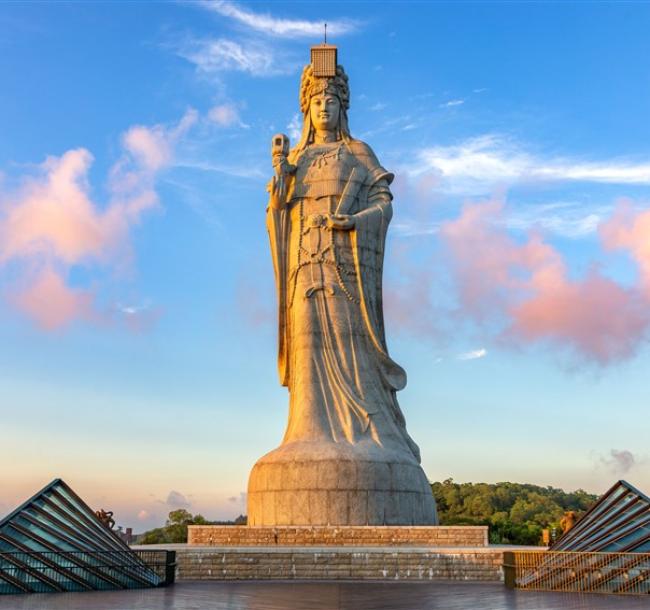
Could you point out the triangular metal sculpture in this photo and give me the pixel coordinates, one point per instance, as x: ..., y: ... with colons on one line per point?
x: 619, y: 522
x: 606, y: 551
x: 55, y: 542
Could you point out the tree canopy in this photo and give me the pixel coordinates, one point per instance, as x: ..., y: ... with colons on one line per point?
x: 175, y: 529
x: 516, y: 513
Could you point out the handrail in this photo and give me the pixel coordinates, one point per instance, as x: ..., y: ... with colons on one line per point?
x: 586, y: 572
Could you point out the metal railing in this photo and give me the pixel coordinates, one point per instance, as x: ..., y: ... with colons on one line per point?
x: 615, y: 573
x: 47, y: 572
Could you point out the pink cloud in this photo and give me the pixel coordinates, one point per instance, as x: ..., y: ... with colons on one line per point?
x: 408, y: 302
x: 596, y: 317
x: 54, y: 215
x: 150, y: 146
x: 52, y: 224
x: 153, y: 147
x: 224, y: 115
x: 51, y: 303
x: 523, y: 289
x: 629, y: 230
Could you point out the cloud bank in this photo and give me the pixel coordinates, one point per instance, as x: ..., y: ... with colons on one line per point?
x: 524, y: 294
x: 52, y: 225
x: 482, y: 164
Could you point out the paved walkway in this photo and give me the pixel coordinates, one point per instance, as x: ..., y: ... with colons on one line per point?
x: 322, y: 596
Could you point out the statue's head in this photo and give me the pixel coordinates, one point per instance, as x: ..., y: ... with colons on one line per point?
x: 324, y: 102
x: 311, y: 85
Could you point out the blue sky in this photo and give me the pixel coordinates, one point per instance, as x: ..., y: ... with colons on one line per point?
x: 137, y: 328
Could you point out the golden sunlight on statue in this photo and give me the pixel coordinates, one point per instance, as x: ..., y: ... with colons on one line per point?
x: 346, y: 457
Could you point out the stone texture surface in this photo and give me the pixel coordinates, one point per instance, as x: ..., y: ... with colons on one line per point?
x: 297, y: 485
x: 339, y: 563
x: 415, y: 536
x: 346, y: 457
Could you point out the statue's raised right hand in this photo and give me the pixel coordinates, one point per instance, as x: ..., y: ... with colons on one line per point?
x: 283, y: 170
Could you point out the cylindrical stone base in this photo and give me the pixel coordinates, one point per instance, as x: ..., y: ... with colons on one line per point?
x: 328, y: 483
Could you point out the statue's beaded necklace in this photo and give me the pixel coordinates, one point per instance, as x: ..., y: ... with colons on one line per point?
x: 318, y: 161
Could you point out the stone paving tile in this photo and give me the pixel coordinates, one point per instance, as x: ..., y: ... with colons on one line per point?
x: 322, y: 596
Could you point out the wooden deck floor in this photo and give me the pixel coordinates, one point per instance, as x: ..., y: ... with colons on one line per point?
x: 323, y: 596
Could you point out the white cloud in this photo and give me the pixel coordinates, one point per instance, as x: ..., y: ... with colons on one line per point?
x: 570, y: 219
x: 479, y: 165
x: 295, y: 127
x: 266, y: 23
x: 132, y: 310
x: 238, y: 171
x: 378, y: 106
x: 452, y: 103
x: 566, y: 219
x: 410, y: 228
x: 226, y: 115
x: 214, y: 56
x: 473, y: 354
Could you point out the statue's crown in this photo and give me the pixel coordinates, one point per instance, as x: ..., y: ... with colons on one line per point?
x: 323, y: 60
x: 323, y: 74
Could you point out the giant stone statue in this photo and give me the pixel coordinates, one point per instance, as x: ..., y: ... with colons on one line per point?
x: 346, y: 457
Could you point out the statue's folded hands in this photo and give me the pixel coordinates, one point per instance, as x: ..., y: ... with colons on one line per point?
x: 342, y: 222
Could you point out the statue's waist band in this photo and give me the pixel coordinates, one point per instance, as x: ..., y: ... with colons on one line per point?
x: 320, y: 188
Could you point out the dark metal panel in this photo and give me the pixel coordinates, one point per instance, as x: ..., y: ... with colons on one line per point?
x: 48, y: 562
x: 56, y: 540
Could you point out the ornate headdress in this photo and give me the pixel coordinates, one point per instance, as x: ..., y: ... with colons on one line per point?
x: 323, y: 75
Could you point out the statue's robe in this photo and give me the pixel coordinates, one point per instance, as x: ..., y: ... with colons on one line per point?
x: 332, y: 347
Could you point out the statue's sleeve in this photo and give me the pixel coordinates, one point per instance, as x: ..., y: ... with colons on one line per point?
x: 277, y: 224
x: 368, y: 243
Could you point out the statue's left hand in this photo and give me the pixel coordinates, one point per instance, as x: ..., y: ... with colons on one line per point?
x: 342, y: 222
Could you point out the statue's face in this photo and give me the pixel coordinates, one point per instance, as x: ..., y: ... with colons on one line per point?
x: 324, y: 110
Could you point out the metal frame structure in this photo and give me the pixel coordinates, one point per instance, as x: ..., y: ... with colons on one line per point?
x: 619, y: 522
x: 607, y: 551
x: 617, y: 573
x: 55, y: 542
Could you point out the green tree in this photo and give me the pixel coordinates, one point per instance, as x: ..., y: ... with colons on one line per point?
x: 516, y: 513
x: 175, y: 530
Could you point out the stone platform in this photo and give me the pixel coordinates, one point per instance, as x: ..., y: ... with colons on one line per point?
x: 336, y: 563
x: 326, y: 536
x: 229, y: 552
x: 339, y: 563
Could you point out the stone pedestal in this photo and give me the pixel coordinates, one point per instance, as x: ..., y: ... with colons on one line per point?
x: 320, y: 536
x: 325, y: 483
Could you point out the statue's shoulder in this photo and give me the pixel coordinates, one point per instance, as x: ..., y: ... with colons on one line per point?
x: 366, y: 156
x: 363, y: 152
